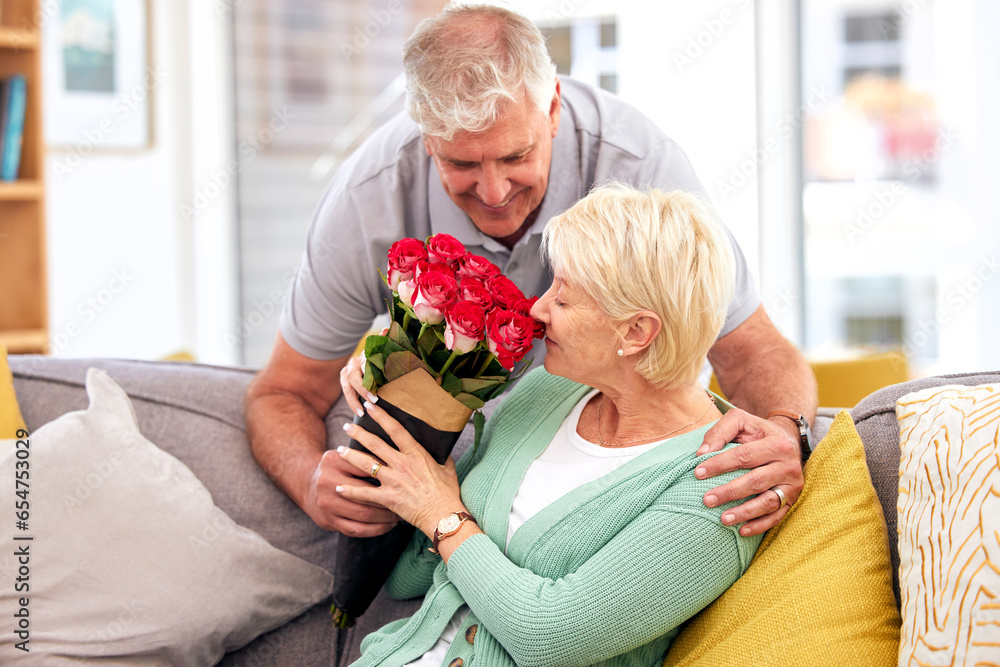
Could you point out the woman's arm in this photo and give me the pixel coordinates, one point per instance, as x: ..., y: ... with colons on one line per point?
x: 656, y: 573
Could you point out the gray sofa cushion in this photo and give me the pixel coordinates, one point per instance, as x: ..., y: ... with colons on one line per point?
x: 196, y: 413
x: 875, y: 419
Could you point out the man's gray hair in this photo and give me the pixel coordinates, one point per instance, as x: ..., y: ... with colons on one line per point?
x: 465, y: 66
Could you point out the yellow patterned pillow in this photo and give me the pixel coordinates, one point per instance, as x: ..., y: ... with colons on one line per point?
x: 949, y: 525
x: 819, y: 589
x: 10, y: 413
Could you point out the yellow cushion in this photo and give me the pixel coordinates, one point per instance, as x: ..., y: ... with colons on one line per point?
x: 10, y: 414
x: 949, y: 525
x: 819, y: 589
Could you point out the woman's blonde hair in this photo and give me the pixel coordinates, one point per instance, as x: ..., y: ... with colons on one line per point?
x: 659, y: 251
x: 465, y: 66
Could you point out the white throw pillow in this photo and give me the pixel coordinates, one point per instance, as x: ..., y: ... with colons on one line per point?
x: 129, y: 561
x: 949, y: 525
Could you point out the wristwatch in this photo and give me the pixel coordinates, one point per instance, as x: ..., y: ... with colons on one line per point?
x: 803, y: 425
x: 449, y: 525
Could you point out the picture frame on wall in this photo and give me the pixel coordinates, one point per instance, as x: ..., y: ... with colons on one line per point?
x: 98, y: 79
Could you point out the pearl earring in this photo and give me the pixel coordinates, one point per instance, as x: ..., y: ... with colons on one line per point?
x: 621, y: 353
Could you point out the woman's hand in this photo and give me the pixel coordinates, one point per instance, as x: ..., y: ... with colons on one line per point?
x: 352, y: 385
x: 413, y: 485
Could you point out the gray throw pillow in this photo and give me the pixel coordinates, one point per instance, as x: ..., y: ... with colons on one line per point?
x: 129, y: 561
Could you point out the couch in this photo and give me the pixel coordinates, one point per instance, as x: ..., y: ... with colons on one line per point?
x: 195, y: 412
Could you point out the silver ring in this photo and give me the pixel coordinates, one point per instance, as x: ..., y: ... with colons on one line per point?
x: 781, y: 496
x: 375, y: 466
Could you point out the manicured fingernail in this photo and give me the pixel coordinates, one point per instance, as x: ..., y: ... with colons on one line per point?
x: 347, y: 427
x: 372, y: 398
x: 359, y: 412
x: 340, y: 489
x: 341, y: 450
x: 699, y: 472
x: 711, y: 501
x: 369, y: 406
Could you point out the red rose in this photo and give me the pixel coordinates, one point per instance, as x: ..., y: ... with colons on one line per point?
x: 423, y: 266
x: 403, y: 257
x: 465, y: 325
x: 435, y: 291
x: 476, y: 292
x: 444, y: 249
x: 508, y: 336
x: 524, y: 307
x: 479, y: 268
x: 505, y: 293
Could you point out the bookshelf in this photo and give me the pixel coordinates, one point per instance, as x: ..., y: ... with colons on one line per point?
x: 23, y: 284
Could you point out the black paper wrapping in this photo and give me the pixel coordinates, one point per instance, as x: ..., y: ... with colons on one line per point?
x: 364, y: 563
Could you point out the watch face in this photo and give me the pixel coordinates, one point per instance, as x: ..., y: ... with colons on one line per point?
x: 449, y: 524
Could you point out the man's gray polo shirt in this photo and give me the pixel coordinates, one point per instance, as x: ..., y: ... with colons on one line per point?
x: 390, y: 189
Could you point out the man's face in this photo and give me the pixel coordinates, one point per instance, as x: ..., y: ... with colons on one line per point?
x: 499, y: 176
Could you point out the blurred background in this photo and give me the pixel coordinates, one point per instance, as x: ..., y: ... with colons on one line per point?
x: 847, y: 143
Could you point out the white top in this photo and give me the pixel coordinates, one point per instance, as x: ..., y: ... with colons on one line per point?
x: 568, y: 462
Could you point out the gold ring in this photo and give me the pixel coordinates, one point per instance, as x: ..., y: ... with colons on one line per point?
x: 374, y: 471
x: 781, y: 496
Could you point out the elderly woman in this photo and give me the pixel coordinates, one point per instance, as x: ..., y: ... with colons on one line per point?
x: 578, y: 535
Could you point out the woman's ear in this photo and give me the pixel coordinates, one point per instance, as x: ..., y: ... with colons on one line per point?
x: 640, y: 331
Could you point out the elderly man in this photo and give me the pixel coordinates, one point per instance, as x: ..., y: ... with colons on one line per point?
x: 494, y: 144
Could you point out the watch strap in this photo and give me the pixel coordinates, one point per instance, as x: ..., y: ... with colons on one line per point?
x: 803, y: 425
x: 438, y: 535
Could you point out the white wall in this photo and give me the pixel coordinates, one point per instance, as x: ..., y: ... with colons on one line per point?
x: 132, y: 273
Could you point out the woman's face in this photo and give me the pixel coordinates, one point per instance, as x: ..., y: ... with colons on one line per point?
x: 580, y: 343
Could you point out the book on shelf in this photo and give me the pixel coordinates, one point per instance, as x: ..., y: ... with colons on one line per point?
x: 13, y: 101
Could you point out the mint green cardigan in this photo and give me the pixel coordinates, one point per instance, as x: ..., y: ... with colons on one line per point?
x: 604, y: 575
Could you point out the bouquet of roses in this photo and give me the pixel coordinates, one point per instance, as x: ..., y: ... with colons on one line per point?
x: 458, y: 328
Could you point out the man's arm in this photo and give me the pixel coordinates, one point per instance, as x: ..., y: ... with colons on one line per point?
x: 286, y: 404
x: 759, y: 370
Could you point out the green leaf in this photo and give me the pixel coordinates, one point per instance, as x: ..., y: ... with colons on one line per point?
x: 399, y: 337
x: 399, y: 364
x: 377, y: 360
x: 428, y: 341
x: 472, y: 385
x: 478, y: 422
x: 391, y: 347
x: 469, y: 401
x: 374, y: 344
x: 379, y: 378
x: 451, y: 384
x: 368, y: 380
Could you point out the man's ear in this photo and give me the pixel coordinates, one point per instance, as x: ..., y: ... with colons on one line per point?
x: 427, y: 146
x: 640, y: 331
x: 555, y: 109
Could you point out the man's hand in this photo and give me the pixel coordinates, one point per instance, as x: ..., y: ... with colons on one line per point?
x: 771, y: 456
x: 333, y: 511
x: 286, y: 404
